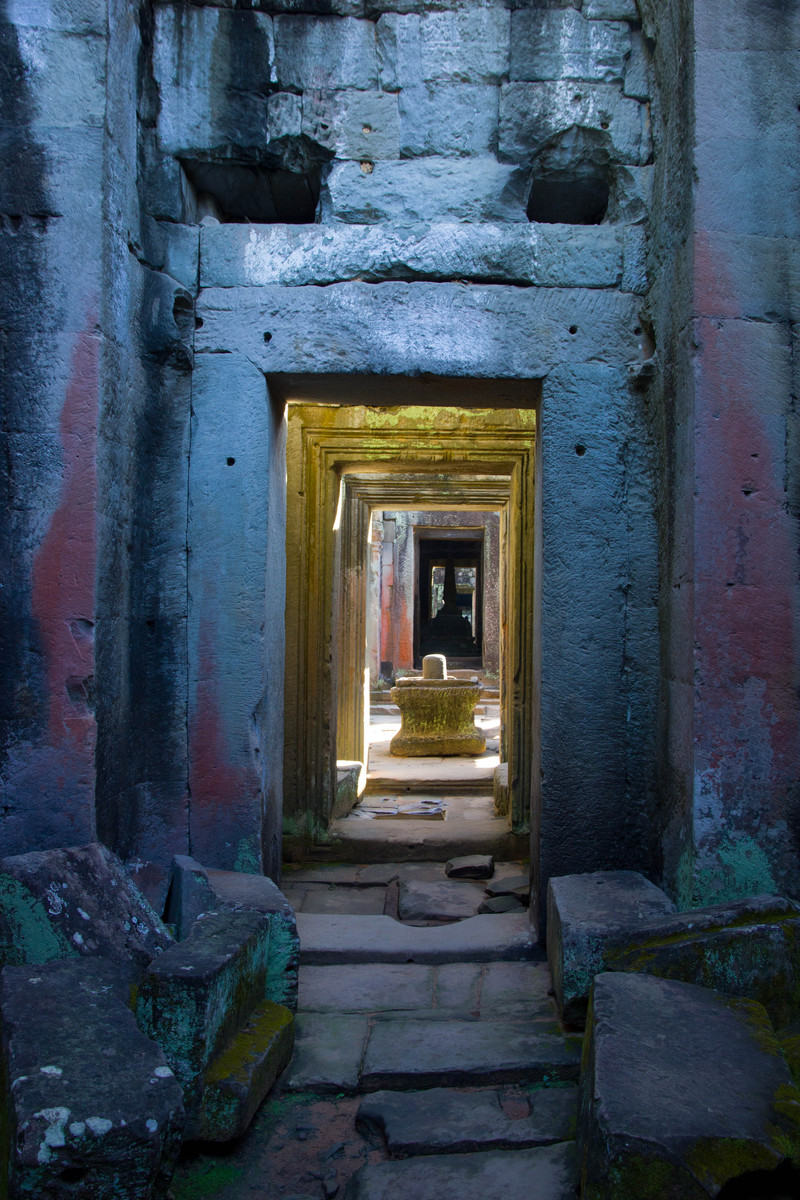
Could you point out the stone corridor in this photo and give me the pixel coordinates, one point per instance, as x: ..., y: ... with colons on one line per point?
x: 442, y: 1076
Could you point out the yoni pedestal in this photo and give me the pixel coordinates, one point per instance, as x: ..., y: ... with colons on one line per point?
x: 437, y: 718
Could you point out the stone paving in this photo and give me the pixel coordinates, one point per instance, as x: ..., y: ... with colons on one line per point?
x: 427, y: 1064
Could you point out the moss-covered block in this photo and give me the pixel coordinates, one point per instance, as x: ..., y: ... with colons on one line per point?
x: 682, y: 1090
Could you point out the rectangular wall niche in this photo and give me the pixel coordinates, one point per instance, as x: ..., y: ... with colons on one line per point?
x: 343, y: 462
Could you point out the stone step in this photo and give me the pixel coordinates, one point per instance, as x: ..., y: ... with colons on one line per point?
x: 446, y: 1121
x: 327, y: 939
x: 437, y: 1053
x: 546, y: 1173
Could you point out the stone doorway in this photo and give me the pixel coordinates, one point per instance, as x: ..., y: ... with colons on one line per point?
x: 344, y: 462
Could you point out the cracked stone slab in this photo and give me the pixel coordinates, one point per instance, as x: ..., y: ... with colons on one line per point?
x: 548, y: 1171
x: 92, y: 1098
x: 366, y: 987
x: 462, y: 1053
x: 326, y: 939
x: 442, y: 1120
x: 450, y: 900
x: 328, y: 1051
x: 722, y: 1083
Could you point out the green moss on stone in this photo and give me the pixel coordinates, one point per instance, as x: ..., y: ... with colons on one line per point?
x: 26, y: 933
x: 233, y: 1062
x: 716, y: 1160
x: 743, y: 869
x: 205, y: 1179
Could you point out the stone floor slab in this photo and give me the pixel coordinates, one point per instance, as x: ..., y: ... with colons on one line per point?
x: 450, y: 900
x: 328, y: 939
x: 366, y: 987
x: 518, y: 988
x: 327, y: 1053
x: 458, y: 986
x: 362, y: 901
x: 464, y: 1053
x: 445, y: 1121
x: 546, y: 1173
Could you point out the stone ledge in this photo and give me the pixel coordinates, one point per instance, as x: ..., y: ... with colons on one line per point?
x: 295, y: 255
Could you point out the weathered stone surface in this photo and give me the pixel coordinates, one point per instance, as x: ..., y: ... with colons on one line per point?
x: 448, y: 119
x: 466, y: 45
x: 368, y: 901
x: 348, y: 777
x: 746, y: 948
x: 533, y: 115
x: 611, y: 10
x: 638, y: 69
x: 500, y: 904
x: 437, y: 718
x: 326, y: 939
x: 367, y: 987
x: 724, y: 1105
x: 198, y: 995
x: 634, y: 269
x: 548, y: 255
x: 325, y: 53
x: 470, y: 866
x: 515, y: 1174
x: 406, y: 328
x: 202, y: 102
x: 205, y: 889
x: 433, y: 189
x: 92, y: 1103
x: 422, y: 901
x: 516, y: 988
x: 583, y: 911
x: 500, y: 790
x: 328, y: 1053
x: 80, y: 901
x: 561, y: 44
x: 353, y: 124
x: 444, y: 1121
x: 240, y: 1077
x: 510, y: 883
x: 441, y: 1053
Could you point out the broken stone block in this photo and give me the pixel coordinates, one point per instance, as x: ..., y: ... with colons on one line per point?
x: 237, y: 891
x: 420, y: 900
x: 682, y: 1090
x: 583, y: 913
x: 204, y: 1001
x: 470, y: 866
x: 500, y: 791
x: 348, y: 778
x: 79, y: 901
x: 501, y: 904
x: 534, y: 115
x: 93, y: 1108
x: 561, y: 44
x: 745, y: 948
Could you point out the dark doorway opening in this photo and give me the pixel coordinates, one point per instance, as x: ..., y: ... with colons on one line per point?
x: 448, y: 596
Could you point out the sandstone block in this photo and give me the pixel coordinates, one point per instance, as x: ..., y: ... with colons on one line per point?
x: 348, y: 775
x: 92, y: 1107
x: 513, y: 1174
x: 325, y: 53
x: 584, y: 912
x: 500, y: 792
x: 724, y: 1103
x: 634, y: 262
x: 353, y: 124
x: 549, y: 255
x: 561, y: 44
x: 437, y: 718
x: 80, y: 901
x: 533, y: 115
x: 205, y: 1003
x: 470, y: 866
x: 204, y: 889
x: 467, y: 45
x: 204, y: 101
x: 433, y: 189
x: 637, y: 70
x: 611, y: 10
x: 448, y: 118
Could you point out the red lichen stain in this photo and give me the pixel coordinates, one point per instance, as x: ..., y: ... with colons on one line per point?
x: 225, y: 797
x: 63, y: 575
x: 744, y: 552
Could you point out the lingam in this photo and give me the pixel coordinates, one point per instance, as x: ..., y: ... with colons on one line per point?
x: 437, y: 713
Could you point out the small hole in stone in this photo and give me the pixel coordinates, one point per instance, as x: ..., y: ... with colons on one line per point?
x: 604, y: 124
x: 74, y: 1174
x: 230, y: 461
x: 573, y: 329
x: 580, y: 450
x: 267, y: 338
x: 638, y: 330
x: 747, y: 491
x: 367, y: 168
x: 366, y: 129
x: 198, y: 322
x: 576, y: 99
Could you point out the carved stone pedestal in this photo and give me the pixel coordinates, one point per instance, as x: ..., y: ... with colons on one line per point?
x: 437, y: 718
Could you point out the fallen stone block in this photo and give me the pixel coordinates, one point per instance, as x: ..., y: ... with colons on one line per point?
x: 204, y: 1001
x: 583, y: 911
x: 601, y: 923
x: 442, y: 1120
x: 470, y: 866
x: 445, y: 901
x: 682, y: 1090
x: 75, y: 902
x: 204, y: 889
x: 500, y: 904
x: 92, y: 1107
x: 500, y: 791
